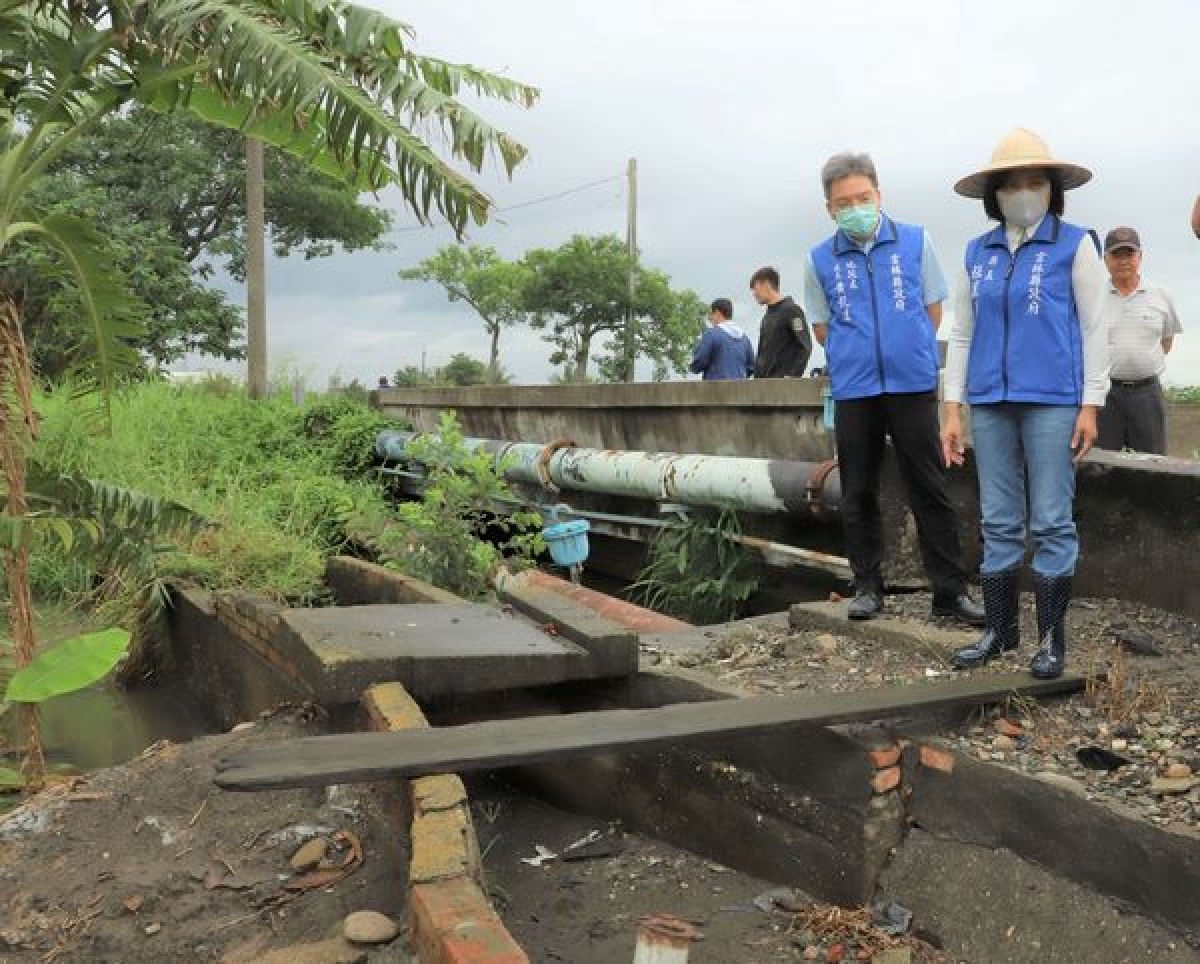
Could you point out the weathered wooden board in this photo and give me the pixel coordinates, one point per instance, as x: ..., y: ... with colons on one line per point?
x: 362, y: 757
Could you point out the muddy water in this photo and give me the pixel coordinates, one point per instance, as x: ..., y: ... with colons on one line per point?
x: 106, y: 724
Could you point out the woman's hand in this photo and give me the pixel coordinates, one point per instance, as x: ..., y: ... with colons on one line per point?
x: 953, y: 445
x: 1084, y: 436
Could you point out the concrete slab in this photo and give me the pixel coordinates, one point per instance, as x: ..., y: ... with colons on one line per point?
x: 433, y: 649
x: 613, y: 646
x: 920, y: 636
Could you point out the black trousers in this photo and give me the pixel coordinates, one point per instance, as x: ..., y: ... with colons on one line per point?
x: 862, y: 428
x: 1134, y: 417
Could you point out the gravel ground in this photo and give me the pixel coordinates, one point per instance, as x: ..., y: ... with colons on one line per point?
x: 586, y: 911
x: 1132, y: 740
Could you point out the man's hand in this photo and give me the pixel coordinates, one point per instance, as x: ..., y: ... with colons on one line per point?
x: 1084, y: 436
x: 953, y: 445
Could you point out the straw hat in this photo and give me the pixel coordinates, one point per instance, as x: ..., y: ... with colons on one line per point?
x: 1020, y: 149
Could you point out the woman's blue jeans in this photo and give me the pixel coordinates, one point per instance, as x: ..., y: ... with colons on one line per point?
x: 1026, y: 481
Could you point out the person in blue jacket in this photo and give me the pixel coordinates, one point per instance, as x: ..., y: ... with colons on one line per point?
x: 1029, y: 354
x: 724, y: 352
x: 873, y: 293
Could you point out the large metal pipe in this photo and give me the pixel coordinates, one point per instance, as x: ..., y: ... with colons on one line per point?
x: 748, y: 484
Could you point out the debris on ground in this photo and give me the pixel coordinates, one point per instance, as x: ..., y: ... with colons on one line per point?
x: 160, y: 865
x: 588, y: 912
x: 1131, y: 740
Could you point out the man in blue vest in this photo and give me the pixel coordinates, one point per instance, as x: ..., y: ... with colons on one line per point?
x: 873, y: 293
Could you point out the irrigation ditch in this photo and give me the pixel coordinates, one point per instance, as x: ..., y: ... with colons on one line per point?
x: 973, y: 827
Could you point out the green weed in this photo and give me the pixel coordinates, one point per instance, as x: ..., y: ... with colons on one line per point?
x: 697, y: 572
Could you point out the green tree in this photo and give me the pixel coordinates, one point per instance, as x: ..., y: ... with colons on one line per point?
x: 410, y: 376
x: 170, y: 192
x: 463, y: 370
x: 493, y: 287
x: 173, y: 311
x: 579, y: 293
x: 460, y: 371
x: 333, y: 83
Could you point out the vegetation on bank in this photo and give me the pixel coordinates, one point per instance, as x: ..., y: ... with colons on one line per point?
x: 1183, y: 394
x: 278, y: 484
x: 276, y: 487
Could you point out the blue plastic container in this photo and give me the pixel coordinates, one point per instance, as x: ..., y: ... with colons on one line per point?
x: 829, y: 408
x: 567, y: 542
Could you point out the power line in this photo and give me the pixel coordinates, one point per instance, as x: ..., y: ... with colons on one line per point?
x: 524, y: 204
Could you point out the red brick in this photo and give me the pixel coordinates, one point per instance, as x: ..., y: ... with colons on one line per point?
x: 937, y: 759
x: 886, y: 779
x: 453, y: 923
x: 883, y: 757
x: 1007, y: 728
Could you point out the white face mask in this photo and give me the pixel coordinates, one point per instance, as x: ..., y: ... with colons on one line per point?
x: 1024, y: 207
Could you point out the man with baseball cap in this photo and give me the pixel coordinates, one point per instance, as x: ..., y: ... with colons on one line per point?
x: 1142, y: 324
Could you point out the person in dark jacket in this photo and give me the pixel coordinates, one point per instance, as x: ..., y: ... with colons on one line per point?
x: 784, y: 341
x: 724, y: 352
x: 874, y: 293
x: 1029, y: 355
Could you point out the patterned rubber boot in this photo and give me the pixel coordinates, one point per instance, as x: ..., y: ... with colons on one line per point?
x: 1001, y: 604
x: 1053, y: 595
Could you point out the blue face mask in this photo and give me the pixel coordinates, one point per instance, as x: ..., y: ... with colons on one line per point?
x: 860, y: 221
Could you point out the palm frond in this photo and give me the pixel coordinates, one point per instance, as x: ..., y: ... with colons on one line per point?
x: 332, y: 81
x: 110, y: 311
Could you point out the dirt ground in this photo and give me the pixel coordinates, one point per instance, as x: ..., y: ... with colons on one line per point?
x: 150, y: 862
x: 586, y: 911
x: 1147, y: 713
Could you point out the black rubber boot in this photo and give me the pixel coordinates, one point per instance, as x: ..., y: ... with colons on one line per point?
x: 1053, y: 595
x: 1001, y: 602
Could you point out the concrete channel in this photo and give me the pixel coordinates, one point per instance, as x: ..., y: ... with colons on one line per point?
x: 845, y: 814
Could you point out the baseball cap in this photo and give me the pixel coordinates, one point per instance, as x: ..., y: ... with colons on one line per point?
x: 1122, y: 238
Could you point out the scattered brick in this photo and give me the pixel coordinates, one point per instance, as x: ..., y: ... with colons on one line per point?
x: 937, y: 759
x: 1008, y: 728
x: 883, y: 757
x: 887, y: 779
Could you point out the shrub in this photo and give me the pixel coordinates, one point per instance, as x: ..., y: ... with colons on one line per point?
x: 454, y: 537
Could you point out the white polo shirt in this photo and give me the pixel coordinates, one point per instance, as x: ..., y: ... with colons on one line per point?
x: 1137, y: 324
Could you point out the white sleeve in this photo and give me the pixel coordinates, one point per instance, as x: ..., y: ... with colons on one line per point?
x: 958, y: 341
x: 1089, y: 280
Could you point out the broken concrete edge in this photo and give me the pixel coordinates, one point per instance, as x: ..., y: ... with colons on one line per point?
x: 936, y: 643
x: 356, y: 582
x: 451, y: 919
x: 1153, y: 870
x: 613, y: 648
x: 632, y: 617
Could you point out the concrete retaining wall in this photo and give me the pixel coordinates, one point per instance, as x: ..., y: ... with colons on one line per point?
x: 775, y: 418
x: 1183, y: 430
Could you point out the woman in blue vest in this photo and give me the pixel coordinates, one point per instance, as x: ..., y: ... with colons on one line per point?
x: 1029, y: 354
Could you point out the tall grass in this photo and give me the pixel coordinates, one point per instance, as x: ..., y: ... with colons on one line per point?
x: 279, y: 482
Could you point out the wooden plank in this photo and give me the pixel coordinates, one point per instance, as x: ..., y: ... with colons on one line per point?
x: 363, y: 757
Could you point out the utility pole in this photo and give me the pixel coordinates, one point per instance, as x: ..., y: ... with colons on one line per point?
x: 256, y: 272
x: 631, y: 245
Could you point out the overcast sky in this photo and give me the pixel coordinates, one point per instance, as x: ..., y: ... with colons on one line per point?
x: 731, y: 108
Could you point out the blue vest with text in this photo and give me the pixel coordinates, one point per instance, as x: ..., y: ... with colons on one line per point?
x: 880, y: 339
x: 1027, y: 345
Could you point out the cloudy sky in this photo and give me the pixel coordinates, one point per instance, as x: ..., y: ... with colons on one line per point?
x: 730, y: 109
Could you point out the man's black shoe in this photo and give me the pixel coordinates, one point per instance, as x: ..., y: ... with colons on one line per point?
x: 961, y: 608
x: 866, y: 604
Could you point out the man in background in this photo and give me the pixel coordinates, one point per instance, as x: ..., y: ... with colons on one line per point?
x: 784, y: 342
x: 1142, y: 325
x: 724, y: 352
